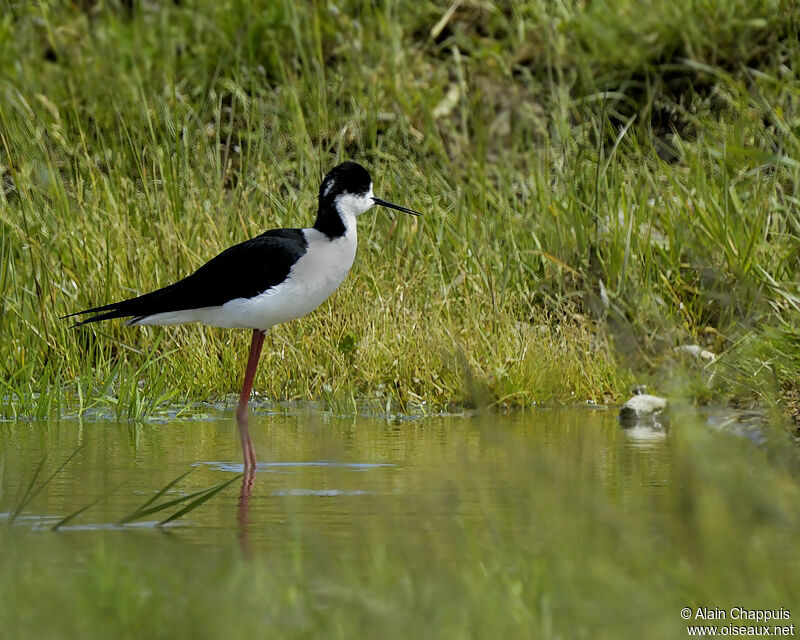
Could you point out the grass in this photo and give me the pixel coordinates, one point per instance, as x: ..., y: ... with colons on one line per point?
x: 601, y: 182
x: 148, y: 508
x: 598, y: 187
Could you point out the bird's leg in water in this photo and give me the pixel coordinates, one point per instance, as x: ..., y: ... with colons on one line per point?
x: 248, y: 452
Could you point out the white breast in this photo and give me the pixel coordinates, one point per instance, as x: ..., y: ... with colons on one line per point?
x: 312, y: 279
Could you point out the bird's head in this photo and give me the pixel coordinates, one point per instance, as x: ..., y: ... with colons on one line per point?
x: 348, y: 189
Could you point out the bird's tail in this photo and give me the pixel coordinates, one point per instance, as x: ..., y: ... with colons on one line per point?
x: 138, y: 307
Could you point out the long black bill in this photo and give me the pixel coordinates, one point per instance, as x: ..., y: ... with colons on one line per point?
x: 383, y: 203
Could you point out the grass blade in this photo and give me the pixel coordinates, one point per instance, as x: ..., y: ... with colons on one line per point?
x: 31, y: 493
x: 27, y: 495
x: 142, y: 512
x: 163, y: 490
x: 74, y: 514
x: 210, y: 493
x: 55, y: 473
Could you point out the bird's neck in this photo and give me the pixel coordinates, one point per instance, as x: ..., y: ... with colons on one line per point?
x: 334, y: 224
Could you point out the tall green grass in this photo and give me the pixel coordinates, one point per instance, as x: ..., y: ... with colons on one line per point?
x: 597, y: 188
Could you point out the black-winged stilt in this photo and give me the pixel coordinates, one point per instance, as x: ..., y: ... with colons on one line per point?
x: 278, y: 276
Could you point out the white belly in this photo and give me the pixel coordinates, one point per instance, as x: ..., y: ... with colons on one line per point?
x: 312, y: 279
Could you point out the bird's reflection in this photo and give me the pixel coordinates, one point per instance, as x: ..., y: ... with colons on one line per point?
x: 248, y: 480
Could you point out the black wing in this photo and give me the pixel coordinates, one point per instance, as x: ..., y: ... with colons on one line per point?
x: 244, y: 270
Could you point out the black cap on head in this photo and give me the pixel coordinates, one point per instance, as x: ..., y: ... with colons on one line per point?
x: 348, y: 177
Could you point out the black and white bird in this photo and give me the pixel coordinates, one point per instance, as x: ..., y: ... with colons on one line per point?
x: 278, y: 276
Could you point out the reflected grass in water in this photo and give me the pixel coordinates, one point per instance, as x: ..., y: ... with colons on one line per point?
x: 553, y: 524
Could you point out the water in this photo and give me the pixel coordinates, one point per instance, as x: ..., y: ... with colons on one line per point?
x: 330, y: 471
x: 553, y: 523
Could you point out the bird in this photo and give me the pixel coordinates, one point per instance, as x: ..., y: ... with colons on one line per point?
x: 278, y: 276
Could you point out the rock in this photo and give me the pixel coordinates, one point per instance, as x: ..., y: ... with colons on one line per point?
x: 750, y: 424
x: 697, y: 351
x: 643, y: 409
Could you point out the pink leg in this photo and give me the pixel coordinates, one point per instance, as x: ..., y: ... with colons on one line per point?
x: 248, y: 453
x: 248, y: 479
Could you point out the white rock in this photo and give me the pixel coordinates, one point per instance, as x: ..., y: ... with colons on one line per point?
x: 697, y: 351
x: 645, y: 410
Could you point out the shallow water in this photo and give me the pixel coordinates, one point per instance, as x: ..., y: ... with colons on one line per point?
x: 332, y: 473
x: 552, y: 523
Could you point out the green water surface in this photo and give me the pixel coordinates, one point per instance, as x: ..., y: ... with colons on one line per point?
x: 554, y: 523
